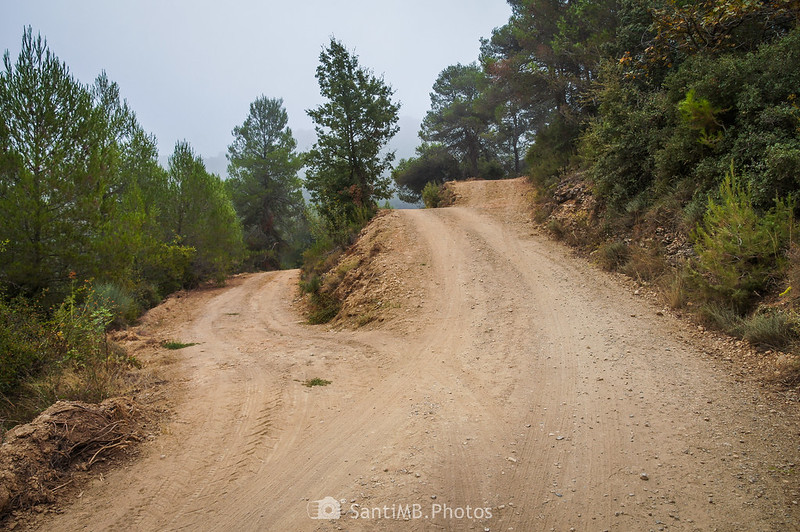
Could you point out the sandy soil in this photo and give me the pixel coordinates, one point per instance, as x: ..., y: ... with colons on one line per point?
x: 512, y: 387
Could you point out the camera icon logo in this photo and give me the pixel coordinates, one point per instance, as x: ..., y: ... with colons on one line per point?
x: 326, y: 508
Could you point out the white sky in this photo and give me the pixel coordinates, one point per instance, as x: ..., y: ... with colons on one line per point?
x: 189, y: 69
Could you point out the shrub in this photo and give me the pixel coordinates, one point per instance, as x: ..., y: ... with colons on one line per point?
x: 721, y: 317
x: 490, y: 169
x: 674, y: 289
x: 773, y: 328
x: 644, y: 264
x: 433, y: 163
x: 739, y: 251
x: 431, y: 195
x: 122, y: 305
x: 325, y: 307
x: 62, y: 354
x: 553, y: 150
x: 22, y: 330
x: 556, y: 228
x: 612, y: 256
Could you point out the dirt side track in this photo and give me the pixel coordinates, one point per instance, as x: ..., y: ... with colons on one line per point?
x: 524, y: 390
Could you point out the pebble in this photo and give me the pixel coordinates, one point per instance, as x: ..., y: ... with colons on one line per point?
x: 644, y: 476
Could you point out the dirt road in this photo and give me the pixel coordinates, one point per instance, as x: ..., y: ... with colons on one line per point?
x: 523, y: 390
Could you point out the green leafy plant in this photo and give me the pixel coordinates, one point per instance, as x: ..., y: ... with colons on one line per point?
x: 739, y: 251
x: 431, y: 195
x: 701, y: 116
x: 310, y: 383
x: 177, y: 345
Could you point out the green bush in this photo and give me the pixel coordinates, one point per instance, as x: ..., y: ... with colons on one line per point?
x: 739, y: 251
x: 122, y: 304
x: 433, y: 163
x: 60, y: 354
x: 773, y: 329
x: 721, y: 317
x: 553, y: 150
x: 431, y: 195
x: 22, y: 334
x: 556, y: 228
x: 325, y: 307
x: 490, y: 169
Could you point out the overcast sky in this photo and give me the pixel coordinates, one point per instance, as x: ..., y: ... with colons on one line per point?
x: 189, y: 69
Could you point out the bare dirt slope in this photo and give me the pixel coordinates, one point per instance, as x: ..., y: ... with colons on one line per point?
x: 514, y: 388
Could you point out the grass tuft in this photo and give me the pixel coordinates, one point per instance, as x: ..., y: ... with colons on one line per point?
x: 316, y: 382
x: 177, y: 345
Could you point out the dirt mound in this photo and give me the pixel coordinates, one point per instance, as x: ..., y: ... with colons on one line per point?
x: 372, y: 278
x: 510, y: 199
x: 38, y: 458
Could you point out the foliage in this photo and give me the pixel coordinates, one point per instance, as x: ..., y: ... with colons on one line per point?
x: 81, y: 191
x: 316, y: 382
x: 62, y: 354
x: 22, y: 330
x: 458, y: 118
x: 433, y: 164
x: 773, y: 328
x: 56, y: 190
x: 738, y: 250
x: 718, y: 26
x: 172, y: 345
x: 552, y: 150
x: 264, y: 185
x: 120, y: 303
x: 346, y: 166
x: 203, y: 217
x: 701, y: 116
x: 431, y: 195
x: 82, y: 196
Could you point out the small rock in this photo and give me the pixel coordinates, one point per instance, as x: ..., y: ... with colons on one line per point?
x: 644, y: 476
x: 433, y: 497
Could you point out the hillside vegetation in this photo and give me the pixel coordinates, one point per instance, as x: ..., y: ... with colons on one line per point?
x: 671, y: 129
x: 92, y: 230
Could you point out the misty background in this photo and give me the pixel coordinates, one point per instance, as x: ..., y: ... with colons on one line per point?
x: 189, y: 69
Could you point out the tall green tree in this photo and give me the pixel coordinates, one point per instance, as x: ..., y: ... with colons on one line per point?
x: 347, y: 164
x: 57, y: 191
x: 459, y: 117
x: 202, y: 216
x: 264, y: 184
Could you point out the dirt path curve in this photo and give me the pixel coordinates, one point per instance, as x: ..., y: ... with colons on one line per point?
x: 526, y: 392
